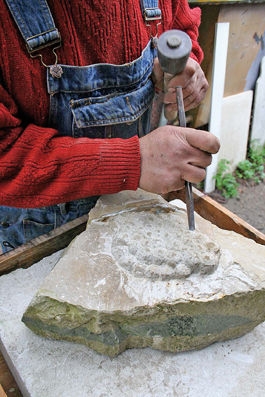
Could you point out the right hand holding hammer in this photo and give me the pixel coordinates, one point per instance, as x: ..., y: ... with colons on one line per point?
x: 194, y: 87
x: 170, y: 155
x: 192, y: 80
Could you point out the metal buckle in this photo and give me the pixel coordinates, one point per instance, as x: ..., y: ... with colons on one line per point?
x: 152, y: 37
x: 50, y: 43
x: 55, y: 70
x: 157, y: 18
x: 151, y: 18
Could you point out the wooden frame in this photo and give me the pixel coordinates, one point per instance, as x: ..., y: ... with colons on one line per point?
x: 32, y: 252
x: 2, y: 393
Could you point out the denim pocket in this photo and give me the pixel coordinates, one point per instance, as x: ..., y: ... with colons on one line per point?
x: 112, y: 109
x: 34, y: 229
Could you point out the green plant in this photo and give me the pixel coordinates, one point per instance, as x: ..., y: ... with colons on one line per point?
x: 256, y: 153
x: 226, y: 181
x: 245, y: 170
x: 253, y: 167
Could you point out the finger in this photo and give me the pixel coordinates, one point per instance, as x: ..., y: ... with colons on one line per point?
x: 170, y: 96
x: 193, y: 94
x: 194, y: 174
x: 183, y: 78
x: 194, y: 100
x: 200, y: 139
x: 191, y: 90
x: 202, y: 159
x: 180, y: 81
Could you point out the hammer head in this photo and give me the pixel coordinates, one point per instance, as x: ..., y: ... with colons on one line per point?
x: 173, y: 48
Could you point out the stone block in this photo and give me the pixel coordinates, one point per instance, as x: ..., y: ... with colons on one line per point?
x: 138, y: 277
x: 236, y: 112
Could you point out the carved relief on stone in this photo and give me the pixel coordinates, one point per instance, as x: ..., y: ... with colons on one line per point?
x: 154, y: 246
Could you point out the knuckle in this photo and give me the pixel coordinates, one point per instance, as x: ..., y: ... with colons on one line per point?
x: 193, y: 68
x: 189, y: 90
x: 200, y: 96
x: 205, y: 86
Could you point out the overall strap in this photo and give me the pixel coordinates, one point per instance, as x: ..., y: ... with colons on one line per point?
x: 150, y: 10
x: 35, y: 22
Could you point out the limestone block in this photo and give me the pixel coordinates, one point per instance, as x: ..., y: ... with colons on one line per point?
x: 258, y: 119
x: 236, y: 112
x: 138, y: 277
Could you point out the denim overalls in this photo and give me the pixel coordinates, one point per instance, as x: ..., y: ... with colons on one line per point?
x: 96, y: 101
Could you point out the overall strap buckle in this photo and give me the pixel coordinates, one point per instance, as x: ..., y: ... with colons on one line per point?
x: 151, y: 12
x: 37, y: 28
x: 55, y: 69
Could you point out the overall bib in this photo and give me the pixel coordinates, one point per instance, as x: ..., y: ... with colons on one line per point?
x: 96, y: 101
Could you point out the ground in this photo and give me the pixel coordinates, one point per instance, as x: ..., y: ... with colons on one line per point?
x: 250, y: 204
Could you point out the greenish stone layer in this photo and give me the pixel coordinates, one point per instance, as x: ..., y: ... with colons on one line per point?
x: 167, y: 328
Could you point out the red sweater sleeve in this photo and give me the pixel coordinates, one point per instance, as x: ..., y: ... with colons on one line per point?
x: 39, y: 168
x: 188, y: 20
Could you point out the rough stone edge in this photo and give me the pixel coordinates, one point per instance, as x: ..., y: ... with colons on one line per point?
x: 246, y: 305
x: 112, y: 204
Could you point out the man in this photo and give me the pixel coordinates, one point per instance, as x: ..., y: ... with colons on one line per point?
x: 73, y: 130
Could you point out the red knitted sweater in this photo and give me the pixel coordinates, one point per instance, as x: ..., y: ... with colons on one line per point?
x: 38, y: 167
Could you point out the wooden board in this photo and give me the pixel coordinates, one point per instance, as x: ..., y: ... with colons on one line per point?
x: 219, y: 215
x: 32, y: 252
x: 2, y: 393
x: 9, y: 387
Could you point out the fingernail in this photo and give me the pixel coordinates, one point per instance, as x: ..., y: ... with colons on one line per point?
x: 171, y: 89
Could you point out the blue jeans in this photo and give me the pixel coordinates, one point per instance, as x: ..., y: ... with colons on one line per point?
x: 19, y: 226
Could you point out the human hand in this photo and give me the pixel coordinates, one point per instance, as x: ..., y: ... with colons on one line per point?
x: 194, y: 86
x: 192, y: 80
x: 172, y: 155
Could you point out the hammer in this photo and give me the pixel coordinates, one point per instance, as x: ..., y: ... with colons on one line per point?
x: 173, y: 48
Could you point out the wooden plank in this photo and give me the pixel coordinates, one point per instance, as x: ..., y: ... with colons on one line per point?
x: 30, y: 253
x: 2, y: 393
x: 7, y: 381
x: 219, y: 215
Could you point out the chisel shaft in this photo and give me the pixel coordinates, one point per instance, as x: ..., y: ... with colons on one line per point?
x: 188, y: 185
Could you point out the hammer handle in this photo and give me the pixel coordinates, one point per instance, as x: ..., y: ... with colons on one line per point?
x: 169, y: 115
